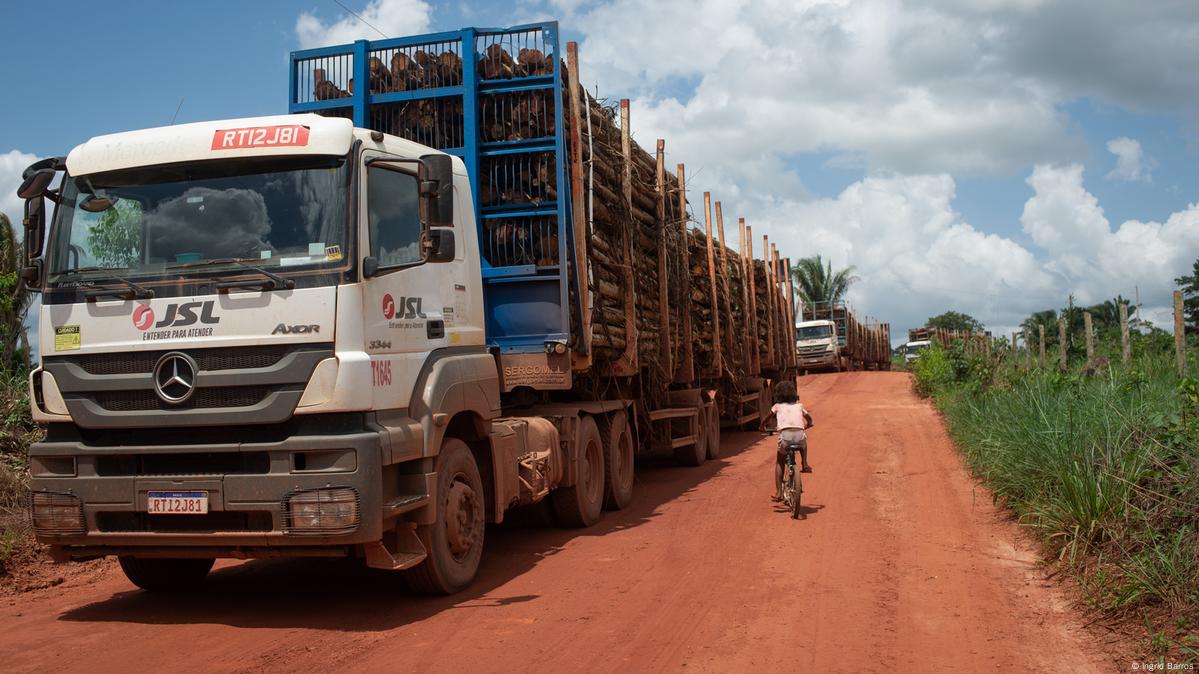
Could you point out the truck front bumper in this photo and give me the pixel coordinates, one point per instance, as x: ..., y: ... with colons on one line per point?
x: 818, y: 360
x: 249, y: 487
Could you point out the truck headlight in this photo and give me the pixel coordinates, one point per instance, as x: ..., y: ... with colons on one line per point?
x: 828, y: 348
x: 56, y: 514
x: 321, y: 511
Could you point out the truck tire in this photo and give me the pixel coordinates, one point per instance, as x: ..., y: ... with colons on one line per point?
x: 155, y: 574
x: 618, y: 459
x: 713, y: 441
x: 454, y: 542
x: 694, y: 455
x: 580, y: 504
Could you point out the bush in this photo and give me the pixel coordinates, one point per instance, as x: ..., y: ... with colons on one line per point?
x: 17, y: 433
x: 1102, y: 466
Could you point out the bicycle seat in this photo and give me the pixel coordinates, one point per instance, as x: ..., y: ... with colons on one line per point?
x: 793, y: 446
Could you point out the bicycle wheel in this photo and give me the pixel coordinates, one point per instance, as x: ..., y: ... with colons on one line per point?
x: 797, y: 494
x: 788, y: 486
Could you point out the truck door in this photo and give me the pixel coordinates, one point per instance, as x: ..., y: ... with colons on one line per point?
x: 408, y: 304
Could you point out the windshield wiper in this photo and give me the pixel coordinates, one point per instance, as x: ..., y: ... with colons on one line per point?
x: 131, y: 291
x: 271, y: 281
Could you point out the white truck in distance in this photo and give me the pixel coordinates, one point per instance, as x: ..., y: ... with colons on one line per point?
x: 818, y: 345
x: 265, y: 338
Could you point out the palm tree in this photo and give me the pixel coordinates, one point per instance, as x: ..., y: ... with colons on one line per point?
x: 816, y: 282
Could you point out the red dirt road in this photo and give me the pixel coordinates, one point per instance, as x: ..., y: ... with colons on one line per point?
x: 901, y: 564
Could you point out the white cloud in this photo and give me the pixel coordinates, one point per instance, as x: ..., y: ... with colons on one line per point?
x: 1095, y: 262
x: 1131, y: 163
x: 395, y: 18
x: 12, y: 164
x: 914, y: 253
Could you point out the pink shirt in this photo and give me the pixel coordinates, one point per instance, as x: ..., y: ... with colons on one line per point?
x: 789, y: 415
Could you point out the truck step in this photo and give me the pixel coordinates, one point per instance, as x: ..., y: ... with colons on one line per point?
x: 404, y: 504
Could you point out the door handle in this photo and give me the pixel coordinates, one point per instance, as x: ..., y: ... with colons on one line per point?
x: 435, y: 329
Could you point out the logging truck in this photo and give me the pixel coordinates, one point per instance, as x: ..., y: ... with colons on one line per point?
x: 447, y: 284
x: 861, y: 345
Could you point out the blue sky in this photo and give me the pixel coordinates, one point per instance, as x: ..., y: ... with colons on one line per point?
x: 901, y: 184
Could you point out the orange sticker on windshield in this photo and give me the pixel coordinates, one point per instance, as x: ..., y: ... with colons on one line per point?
x: 293, y: 135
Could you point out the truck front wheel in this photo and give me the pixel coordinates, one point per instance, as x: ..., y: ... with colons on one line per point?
x: 454, y: 542
x: 579, y: 504
x: 155, y: 574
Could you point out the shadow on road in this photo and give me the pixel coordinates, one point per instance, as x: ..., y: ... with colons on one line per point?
x: 344, y: 595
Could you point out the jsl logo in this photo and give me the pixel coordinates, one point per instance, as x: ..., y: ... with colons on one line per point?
x: 409, y: 307
x: 177, y: 315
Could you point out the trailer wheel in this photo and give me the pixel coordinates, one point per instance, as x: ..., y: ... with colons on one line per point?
x: 694, y: 455
x: 155, y: 574
x: 619, y: 460
x: 713, y: 432
x: 454, y: 542
x: 579, y: 505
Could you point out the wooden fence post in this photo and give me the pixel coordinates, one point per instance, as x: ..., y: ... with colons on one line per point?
x: 1180, y: 355
x: 1027, y: 352
x: 1061, y: 344
x: 1086, y: 319
x: 1125, y: 345
x: 1041, y: 362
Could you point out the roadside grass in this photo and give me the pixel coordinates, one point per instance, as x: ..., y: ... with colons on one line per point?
x: 17, y: 431
x: 1103, y: 466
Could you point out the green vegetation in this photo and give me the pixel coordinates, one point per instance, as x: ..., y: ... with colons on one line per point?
x: 815, y: 280
x: 17, y: 430
x: 1103, y: 467
x: 955, y: 320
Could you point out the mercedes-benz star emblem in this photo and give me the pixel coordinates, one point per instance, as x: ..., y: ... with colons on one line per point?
x: 175, y: 377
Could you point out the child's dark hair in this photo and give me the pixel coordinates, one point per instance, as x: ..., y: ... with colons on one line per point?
x: 784, y: 392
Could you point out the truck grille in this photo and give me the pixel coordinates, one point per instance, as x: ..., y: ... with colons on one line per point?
x: 212, y: 522
x: 140, y: 401
x: 189, y: 464
x: 250, y: 385
x: 811, y: 350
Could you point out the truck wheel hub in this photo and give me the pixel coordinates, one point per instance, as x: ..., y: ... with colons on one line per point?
x: 461, y: 518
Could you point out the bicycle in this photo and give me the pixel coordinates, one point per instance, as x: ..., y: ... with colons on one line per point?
x: 792, y: 482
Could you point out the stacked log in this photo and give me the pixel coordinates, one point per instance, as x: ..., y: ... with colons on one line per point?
x: 659, y: 301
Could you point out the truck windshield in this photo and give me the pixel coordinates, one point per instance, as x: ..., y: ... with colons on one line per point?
x: 815, y: 331
x: 217, y: 216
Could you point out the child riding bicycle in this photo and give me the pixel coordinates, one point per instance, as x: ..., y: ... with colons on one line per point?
x: 791, y: 419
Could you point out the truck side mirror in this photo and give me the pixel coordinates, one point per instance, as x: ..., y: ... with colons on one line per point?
x: 35, y: 234
x: 437, y: 189
x: 35, y: 183
x: 440, y: 244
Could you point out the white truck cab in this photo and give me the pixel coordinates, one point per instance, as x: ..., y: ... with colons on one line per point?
x: 818, y: 345
x: 265, y: 337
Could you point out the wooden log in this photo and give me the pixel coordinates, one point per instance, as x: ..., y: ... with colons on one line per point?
x: 716, y: 362
x: 627, y: 363
x: 663, y: 294
x: 1061, y: 344
x: 1125, y: 344
x: 686, y: 370
x: 1086, y: 318
x: 1041, y: 361
x: 579, y: 360
x: 1180, y: 356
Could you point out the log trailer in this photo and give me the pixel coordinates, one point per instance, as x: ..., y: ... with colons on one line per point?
x: 863, y: 345
x: 371, y: 326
